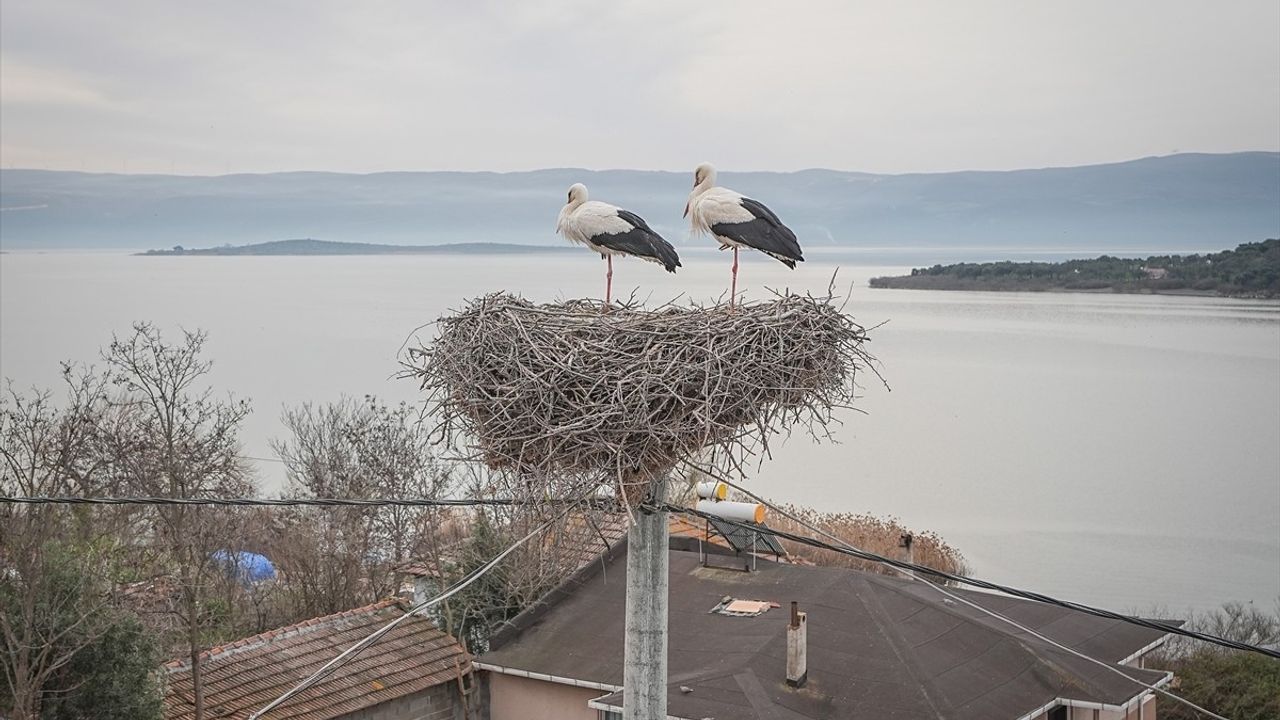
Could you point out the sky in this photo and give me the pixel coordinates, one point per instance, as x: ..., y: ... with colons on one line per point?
x: 892, y: 87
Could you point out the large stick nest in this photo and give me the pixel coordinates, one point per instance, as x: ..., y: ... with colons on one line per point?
x: 573, y: 392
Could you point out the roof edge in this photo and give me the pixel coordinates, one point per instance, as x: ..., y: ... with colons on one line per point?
x: 529, y: 616
x: 184, y: 663
x: 600, y: 704
x: 517, y: 672
x: 1146, y: 649
x: 1090, y: 705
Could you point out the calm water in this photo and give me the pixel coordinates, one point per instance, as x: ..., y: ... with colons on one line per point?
x: 1110, y: 449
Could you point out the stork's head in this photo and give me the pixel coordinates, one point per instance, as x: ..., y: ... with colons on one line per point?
x: 704, y: 176
x: 577, y: 194
x: 704, y: 173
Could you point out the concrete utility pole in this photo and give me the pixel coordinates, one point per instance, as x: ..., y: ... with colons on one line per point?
x: 644, y: 677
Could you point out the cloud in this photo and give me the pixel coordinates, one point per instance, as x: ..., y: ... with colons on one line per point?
x: 25, y: 86
x: 210, y: 88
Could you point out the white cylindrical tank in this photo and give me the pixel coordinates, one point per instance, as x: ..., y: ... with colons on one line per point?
x: 713, y: 490
x: 740, y: 511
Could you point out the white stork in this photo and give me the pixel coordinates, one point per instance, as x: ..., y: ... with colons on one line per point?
x: 610, y: 230
x: 737, y: 221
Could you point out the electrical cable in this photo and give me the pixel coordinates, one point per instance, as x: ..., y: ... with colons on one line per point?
x: 289, y: 502
x: 357, y: 648
x: 855, y: 552
x: 944, y: 591
x: 262, y: 459
x: 984, y: 584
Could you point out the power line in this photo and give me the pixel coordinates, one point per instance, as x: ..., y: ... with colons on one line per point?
x: 1077, y: 653
x: 262, y: 459
x: 357, y: 648
x: 294, y: 502
x: 605, y: 503
x: 976, y: 582
x: 944, y: 591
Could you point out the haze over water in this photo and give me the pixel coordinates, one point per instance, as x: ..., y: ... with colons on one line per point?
x: 1116, y: 450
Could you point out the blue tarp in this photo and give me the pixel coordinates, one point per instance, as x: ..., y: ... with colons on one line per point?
x: 251, y: 567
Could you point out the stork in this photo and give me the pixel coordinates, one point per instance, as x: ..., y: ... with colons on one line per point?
x: 736, y: 221
x: 610, y: 230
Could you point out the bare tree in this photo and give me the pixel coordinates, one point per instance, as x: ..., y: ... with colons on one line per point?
x: 1235, y: 683
x: 178, y: 440
x: 50, y: 602
x: 337, y: 557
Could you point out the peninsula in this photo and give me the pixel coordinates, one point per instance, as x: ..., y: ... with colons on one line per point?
x: 326, y: 247
x: 1252, y: 270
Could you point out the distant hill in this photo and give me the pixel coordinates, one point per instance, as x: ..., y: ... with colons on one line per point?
x: 325, y: 247
x: 1187, y: 201
x: 1251, y: 270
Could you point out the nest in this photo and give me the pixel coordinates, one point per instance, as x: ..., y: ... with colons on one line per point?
x: 574, y: 393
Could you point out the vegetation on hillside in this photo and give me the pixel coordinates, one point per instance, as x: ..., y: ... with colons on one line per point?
x: 1236, y: 684
x: 1251, y: 270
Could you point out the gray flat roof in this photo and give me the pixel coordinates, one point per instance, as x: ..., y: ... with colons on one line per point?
x: 878, y: 647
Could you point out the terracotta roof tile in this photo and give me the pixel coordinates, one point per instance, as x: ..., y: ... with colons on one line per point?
x: 242, y: 676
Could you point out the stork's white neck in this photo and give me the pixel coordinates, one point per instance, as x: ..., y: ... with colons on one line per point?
x: 708, y: 182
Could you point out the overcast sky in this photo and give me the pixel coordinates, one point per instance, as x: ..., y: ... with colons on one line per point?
x: 216, y: 87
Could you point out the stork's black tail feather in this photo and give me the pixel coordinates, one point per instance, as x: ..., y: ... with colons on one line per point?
x: 665, y: 253
x: 765, y: 233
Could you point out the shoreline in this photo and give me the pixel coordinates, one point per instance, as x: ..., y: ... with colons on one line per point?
x: 1182, y: 292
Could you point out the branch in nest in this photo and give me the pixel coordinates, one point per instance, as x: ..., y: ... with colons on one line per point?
x: 569, y: 392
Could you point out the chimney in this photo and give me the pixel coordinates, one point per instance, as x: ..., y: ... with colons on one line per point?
x: 797, y: 650
x: 906, y: 553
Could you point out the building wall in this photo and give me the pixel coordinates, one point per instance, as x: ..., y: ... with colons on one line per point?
x: 437, y: 703
x: 1148, y: 713
x: 517, y: 698
x: 1148, y: 709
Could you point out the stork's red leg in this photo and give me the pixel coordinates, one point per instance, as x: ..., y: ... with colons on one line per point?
x: 733, y: 289
x: 608, y: 282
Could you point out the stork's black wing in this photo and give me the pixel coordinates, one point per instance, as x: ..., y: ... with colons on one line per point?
x: 640, y: 241
x: 764, y: 232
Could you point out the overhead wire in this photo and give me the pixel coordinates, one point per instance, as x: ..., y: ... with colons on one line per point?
x: 262, y: 459
x: 288, y: 502
x: 606, y: 503
x: 344, y: 657
x: 984, y: 584
x: 1000, y: 616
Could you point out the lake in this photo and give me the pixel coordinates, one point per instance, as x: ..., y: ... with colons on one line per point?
x: 1114, y: 450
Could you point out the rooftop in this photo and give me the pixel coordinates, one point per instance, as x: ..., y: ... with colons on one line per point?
x: 242, y: 676
x: 878, y: 646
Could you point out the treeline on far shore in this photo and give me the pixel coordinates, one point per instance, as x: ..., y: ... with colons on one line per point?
x: 1251, y: 270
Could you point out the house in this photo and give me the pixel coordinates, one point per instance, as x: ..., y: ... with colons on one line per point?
x: 878, y: 647
x: 415, y: 672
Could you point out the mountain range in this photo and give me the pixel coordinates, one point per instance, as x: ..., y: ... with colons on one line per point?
x: 1177, y: 202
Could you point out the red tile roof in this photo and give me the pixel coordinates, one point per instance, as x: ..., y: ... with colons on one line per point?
x: 242, y: 676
